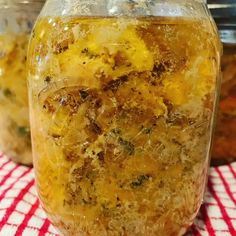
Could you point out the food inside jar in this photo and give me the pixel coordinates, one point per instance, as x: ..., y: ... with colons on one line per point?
x: 14, y: 120
x: 224, y: 149
x: 122, y: 113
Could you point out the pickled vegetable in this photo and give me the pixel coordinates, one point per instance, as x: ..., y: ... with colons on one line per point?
x: 14, y: 119
x: 122, y: 113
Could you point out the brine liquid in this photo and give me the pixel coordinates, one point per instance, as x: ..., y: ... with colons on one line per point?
x: 122, y: 113
x: 14, y: 118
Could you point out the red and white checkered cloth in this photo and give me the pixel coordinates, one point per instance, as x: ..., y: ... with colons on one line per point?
x: 20, y: 212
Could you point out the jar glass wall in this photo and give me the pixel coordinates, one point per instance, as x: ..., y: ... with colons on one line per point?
x: 16, y: 21
x: 122, y: 101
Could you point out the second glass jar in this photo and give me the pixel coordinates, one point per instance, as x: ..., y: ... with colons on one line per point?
x: 16, y: 21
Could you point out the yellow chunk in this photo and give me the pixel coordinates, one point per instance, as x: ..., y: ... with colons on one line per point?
x: 207, y: 73
x: 137, y: 52
x: 76, y: 65
x: 176, y: 90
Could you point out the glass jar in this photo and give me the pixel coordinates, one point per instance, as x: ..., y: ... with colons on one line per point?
x: 224, y: 149
x: 16, y: 20
x: 122, y: 100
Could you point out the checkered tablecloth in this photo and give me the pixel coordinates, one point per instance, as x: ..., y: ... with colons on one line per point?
x: 20, y: 212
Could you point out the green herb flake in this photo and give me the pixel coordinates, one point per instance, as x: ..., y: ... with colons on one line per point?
x: 147, y: 130
x: 83, y: 94
x: 116, y: 131
x: 139, y: 181
x: 128, y: 146
x: 7, y: 92
x: 23, y: 131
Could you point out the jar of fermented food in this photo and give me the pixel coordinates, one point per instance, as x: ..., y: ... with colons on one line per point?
x: 122, y: 100
x: 16, y: 20
x: 224, y: 149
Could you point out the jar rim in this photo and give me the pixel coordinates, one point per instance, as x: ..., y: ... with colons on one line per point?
x: 21, y: 4
x: 20, y: 1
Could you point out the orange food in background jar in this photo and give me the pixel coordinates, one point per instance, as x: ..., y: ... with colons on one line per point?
x: 224, y: 148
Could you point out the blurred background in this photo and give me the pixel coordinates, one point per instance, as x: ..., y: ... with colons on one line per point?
x: 224, y: 13
x: 224, y: 148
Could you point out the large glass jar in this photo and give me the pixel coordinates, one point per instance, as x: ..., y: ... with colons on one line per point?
x: 16, y: 20
x: 224, y: 149
x: 122, y: 100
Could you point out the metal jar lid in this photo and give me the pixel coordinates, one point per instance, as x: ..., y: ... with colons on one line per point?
x: 224, y: 13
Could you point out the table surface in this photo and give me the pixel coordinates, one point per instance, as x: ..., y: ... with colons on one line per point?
x: 21, y: 214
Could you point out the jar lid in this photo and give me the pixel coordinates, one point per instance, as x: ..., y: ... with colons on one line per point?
x: 224, y: 13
